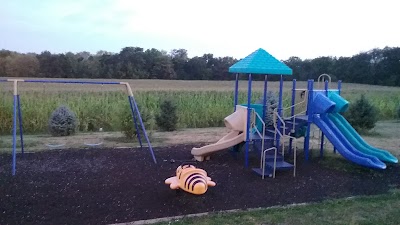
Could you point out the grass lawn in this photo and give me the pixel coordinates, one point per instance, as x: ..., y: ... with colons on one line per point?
x: 379, y: 209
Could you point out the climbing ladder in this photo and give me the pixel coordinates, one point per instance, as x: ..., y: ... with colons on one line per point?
x: 272, y: 152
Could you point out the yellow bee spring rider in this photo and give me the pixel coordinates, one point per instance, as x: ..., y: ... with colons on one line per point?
x: 190, y: 179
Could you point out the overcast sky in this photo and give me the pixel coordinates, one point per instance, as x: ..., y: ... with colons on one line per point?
x: 284, y: 28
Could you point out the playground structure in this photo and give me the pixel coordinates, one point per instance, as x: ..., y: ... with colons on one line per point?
x: 321, y: 107
x: 17, y: 114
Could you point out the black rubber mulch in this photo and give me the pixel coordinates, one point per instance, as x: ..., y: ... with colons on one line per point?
x: 103, y: 186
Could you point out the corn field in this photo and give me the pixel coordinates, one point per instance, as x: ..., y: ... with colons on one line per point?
x: 105, y: 109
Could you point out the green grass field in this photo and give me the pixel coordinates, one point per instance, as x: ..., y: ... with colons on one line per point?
x: 381, y: 209
x: 200, y: 103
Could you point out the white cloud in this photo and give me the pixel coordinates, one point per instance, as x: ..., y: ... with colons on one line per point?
x: 285, y: 28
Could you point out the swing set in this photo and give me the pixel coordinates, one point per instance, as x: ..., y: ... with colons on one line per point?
x: 17, y: 115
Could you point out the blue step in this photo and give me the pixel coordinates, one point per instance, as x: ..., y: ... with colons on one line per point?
x: 302, y: 118
x: 280, y: 165
x: 268, y: 171
x: 268, y: 136
x: 267, y: 144
x: 270, y: 157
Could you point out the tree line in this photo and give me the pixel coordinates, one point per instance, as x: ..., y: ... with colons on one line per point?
x: 376, y: 66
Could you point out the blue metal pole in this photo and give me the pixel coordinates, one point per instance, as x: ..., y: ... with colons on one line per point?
x: 321, y: 153
x: 14, y: 140
x: 135, y: 121
x: 143, y: 128
x: 235, y: 99
x: 69, y: 82
x: 292, y: 112
x: 280, y: 111
x: 340, y: 91
x: 309, y: 114
x: 326, y: 87
x: 20, y: 125
x: 248, y: 122
x: 265, y: 97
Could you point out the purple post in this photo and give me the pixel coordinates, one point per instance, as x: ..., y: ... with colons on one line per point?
x: 321, y: 152
x: 292, y: 112
x: 309, y: 114
x: 280, y: 111
x: 248, y: 122
x: 143, y: 128
x: 265, y: 98
x: 69, y: 82
x: 134, y: 121
x: 340, y: 91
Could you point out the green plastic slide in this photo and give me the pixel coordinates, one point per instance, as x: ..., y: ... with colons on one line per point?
x: 358, y: 142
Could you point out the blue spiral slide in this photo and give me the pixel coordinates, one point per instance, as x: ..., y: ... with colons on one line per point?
x: 344, y: 138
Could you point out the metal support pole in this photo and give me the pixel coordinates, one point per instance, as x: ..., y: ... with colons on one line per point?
x: 20, y: 125
x: 248, y: 122
x: 292, y: 112
x: 321, y: 153
x: 143, y: 128
x: 265, y: 98
x: 340, y: 91
x: 135, y: 121
x: 280, y: 103
x: 309, y: 114
x: 235, y: 97
x: 14, y: 139
x: 69, y: 82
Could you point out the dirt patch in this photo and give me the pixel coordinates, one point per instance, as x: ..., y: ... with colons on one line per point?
x: 103, y: 186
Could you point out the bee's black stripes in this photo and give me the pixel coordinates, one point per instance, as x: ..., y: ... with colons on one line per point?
x: 199, y: 181
x: 191, y: 177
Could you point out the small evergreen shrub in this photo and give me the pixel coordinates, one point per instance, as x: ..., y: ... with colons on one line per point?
x: 362, y: 115
x: 167, y: 119
x: 128, y: 126
x: 62, y: 122
x: 271, y: 105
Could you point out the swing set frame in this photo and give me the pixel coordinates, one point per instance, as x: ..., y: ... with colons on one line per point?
x: 17, y: 114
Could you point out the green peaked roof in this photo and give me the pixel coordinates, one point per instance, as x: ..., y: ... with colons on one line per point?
x: 260, y: 62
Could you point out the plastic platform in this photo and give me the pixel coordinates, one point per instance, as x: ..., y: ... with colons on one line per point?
x: 280, y: 165
x: 268, y: 171
x: 268, y: 136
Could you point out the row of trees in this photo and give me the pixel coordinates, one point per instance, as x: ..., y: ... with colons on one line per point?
x: 377, y: 66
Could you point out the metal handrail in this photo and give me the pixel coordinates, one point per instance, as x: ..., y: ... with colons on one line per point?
x: 258, y: 132
x: 276, y: 115
x: 283, y: 136
x: 319, y: 79
x: 292, y: 106
x: 294, y: 155
x: 300, y: 113
x: 263, y: 154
